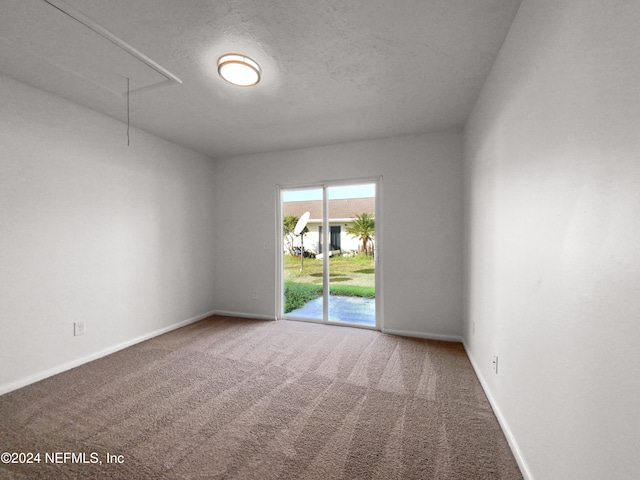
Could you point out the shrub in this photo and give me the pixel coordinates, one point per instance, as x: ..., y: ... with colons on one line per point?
x: 297, y: 294
x: 352, y: 291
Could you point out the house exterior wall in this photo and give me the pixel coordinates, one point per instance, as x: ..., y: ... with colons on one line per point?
x: 340, y: 211
x: 312, y: 239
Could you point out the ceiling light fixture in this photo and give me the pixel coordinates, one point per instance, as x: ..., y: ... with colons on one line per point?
x: 239, y: 70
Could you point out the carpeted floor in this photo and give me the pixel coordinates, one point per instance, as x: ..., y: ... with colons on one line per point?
x: 233, y: 398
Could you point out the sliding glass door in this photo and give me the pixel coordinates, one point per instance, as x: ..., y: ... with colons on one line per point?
x: 329, y: 253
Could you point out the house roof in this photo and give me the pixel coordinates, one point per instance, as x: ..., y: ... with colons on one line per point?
x: 342, y: 208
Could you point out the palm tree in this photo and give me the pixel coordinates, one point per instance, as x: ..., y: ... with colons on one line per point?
x: 363, y: 227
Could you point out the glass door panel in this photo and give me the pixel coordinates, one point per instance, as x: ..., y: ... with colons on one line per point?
x: 351, y: 253
x: 302, y: 271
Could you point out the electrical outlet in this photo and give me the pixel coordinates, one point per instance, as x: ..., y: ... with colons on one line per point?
x: 494, y: 364
x: 473, y: 326
x: 254, y: 294
x: 78, y: 328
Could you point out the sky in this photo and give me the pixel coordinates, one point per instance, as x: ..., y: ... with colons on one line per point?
x: 346, y: 191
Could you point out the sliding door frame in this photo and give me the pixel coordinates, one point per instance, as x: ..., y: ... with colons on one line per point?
x: 326, y: 237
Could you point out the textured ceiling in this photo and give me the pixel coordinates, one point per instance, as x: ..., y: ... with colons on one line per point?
x: 333, y: 70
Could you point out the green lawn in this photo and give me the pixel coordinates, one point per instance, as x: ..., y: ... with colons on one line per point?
x: 358, y: 270
x: 352, y: 276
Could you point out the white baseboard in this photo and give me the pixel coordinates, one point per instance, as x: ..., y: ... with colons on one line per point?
x: 89, y: 358
x: 428, y: 336
x: 511, y: 440
x: 244, y: 315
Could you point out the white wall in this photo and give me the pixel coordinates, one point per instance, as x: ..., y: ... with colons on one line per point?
x: 421, y: 223
x: 553, y: 199
x: 90, y: 229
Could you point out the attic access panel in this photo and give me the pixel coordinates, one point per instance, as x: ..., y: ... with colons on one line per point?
x: 48, y: 43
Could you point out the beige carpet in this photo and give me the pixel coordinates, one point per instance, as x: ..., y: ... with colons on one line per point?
x: 234, y: 398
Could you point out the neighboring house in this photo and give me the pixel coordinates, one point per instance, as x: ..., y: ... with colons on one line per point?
x: 342, y: 212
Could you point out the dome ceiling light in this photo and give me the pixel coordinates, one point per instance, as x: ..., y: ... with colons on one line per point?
x: 239, y: 70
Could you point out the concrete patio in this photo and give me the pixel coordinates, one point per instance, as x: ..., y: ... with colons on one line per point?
x: 341, y: 309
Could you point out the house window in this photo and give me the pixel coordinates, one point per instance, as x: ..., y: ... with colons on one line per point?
x: 334, y: 239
